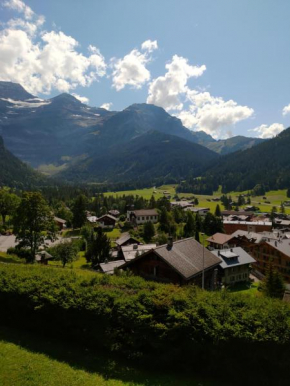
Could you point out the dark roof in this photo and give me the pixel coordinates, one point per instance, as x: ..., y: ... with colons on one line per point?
x: 146, y: 212
x: 124, y: 238
x: 185, y: 257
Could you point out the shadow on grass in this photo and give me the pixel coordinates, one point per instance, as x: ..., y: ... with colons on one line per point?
x: 94, y: 361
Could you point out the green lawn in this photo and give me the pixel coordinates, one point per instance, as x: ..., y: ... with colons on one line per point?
x: 33, y: 360
x: 246, y: 288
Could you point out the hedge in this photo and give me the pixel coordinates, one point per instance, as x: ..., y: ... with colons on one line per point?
x: 160, y: 324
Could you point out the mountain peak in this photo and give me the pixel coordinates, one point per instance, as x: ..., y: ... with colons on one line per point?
x: 14, y: 91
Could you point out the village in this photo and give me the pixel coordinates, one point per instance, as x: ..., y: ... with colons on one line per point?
x: 170, y: 240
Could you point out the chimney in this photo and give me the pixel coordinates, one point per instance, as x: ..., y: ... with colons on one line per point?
x: 170, y: 242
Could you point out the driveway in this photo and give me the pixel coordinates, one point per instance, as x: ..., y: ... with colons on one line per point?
x: 7, y: 242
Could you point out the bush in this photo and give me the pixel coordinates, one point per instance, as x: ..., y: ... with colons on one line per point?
x: 22, y: 253
x: 158, y: 323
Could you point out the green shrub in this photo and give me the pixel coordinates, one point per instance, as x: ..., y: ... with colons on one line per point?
x: 161, y: 323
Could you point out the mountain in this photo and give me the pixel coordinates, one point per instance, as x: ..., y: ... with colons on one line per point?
x: 267, y: 163
x: 230, y: 145
x: 14, y: 173
x: 151, y: 157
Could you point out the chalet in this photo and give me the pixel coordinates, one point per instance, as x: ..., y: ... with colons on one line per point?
x: 249, y: 226
x: 180, y: 262
x: 107, y: 221
x: 276, y: 251
x: 43, y: 257
x: 126, y: 239
x: 200, y: 211
x: 60, y: 223
x: 181, y: 204
x: 142, y: 216
x: 237, y: 214
x: 235, y: 266
x: 129, y: 252
x: 221, y: 241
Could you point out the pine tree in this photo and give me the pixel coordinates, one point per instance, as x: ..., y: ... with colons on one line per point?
x: 189, y: 227
x: 148, y: 231
x: 273, y: 283
x: 217, y: 212
x: 79, y: 211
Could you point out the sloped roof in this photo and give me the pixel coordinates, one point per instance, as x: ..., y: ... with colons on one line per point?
x: 124, y: 238
x: 219, y: 238
x: 107, y: 215
x: 110, y: 266
x: 130, y: 251
x: 233, y: 257
x: 146, y: 212
x: 185, y: 257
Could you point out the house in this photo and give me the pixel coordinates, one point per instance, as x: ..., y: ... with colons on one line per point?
x: 43, y: 257
x: 114, y: 212
x: 276, y: 251
x: 221, y: 241
x: 200, y: 211
x: 92, y: 219
x: 109, y: 266
x: 142, y: 216
x: 129, y: 252
x: 60, y: 223
x: 249, y: 226
x: 107, y: 221
x: 181, y: 204
x: 180, y: 262
x: 126, y: 239
x: 235, y: 266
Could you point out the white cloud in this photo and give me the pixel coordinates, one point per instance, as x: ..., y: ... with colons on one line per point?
x: 197, y: 110
x: 42, y: 61
x: 212, y: 114
x: 107, y: 106
x: 165, y: 90
x: 286, y: 110
x: 82, y: 99
x: 131, y: 69
x: 21, y: 7
x: 265, y: 131
x: 149, y: 45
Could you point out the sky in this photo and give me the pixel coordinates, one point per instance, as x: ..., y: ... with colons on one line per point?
x: 220, y: 66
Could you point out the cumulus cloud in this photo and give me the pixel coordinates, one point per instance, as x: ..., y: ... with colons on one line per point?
x: 197, y: 110
x: 211, y: 114
x: 107, y: 106
x: 82, y: 99
x: 286, y: 110
x: 42, y: 61
x: 165, y: 91
x: 265, y: 131
x: 149, y: 45
x: 131, y: 69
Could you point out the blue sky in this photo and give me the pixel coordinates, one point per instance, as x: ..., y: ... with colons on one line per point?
x: 221, y: 66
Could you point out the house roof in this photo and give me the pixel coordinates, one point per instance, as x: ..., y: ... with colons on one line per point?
x: 124, y: 238
x: 60, y: 220
x: 130, y: 251
x: 92, y: 219
x: 107, y: 215
x: 267, y: 223
x: 110, y: 266
x: 233, y: 257
x: 43, y: 255
x: 282, y: 245
x: 185, y: 257
x: 219, y: 238
x: 253, y: 236
x: 146, y: 212
x: 196, y: 209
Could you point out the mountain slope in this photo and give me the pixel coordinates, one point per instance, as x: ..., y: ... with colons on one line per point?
x: 15, y: 173
x: 230, y: 145
x: 267, y: 163
x: 153, y: 156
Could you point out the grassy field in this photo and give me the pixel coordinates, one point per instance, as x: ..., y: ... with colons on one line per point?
x: 31, y: 360
x: 274, y: 197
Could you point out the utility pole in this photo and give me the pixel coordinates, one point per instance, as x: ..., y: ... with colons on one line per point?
x: 202, y: 285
